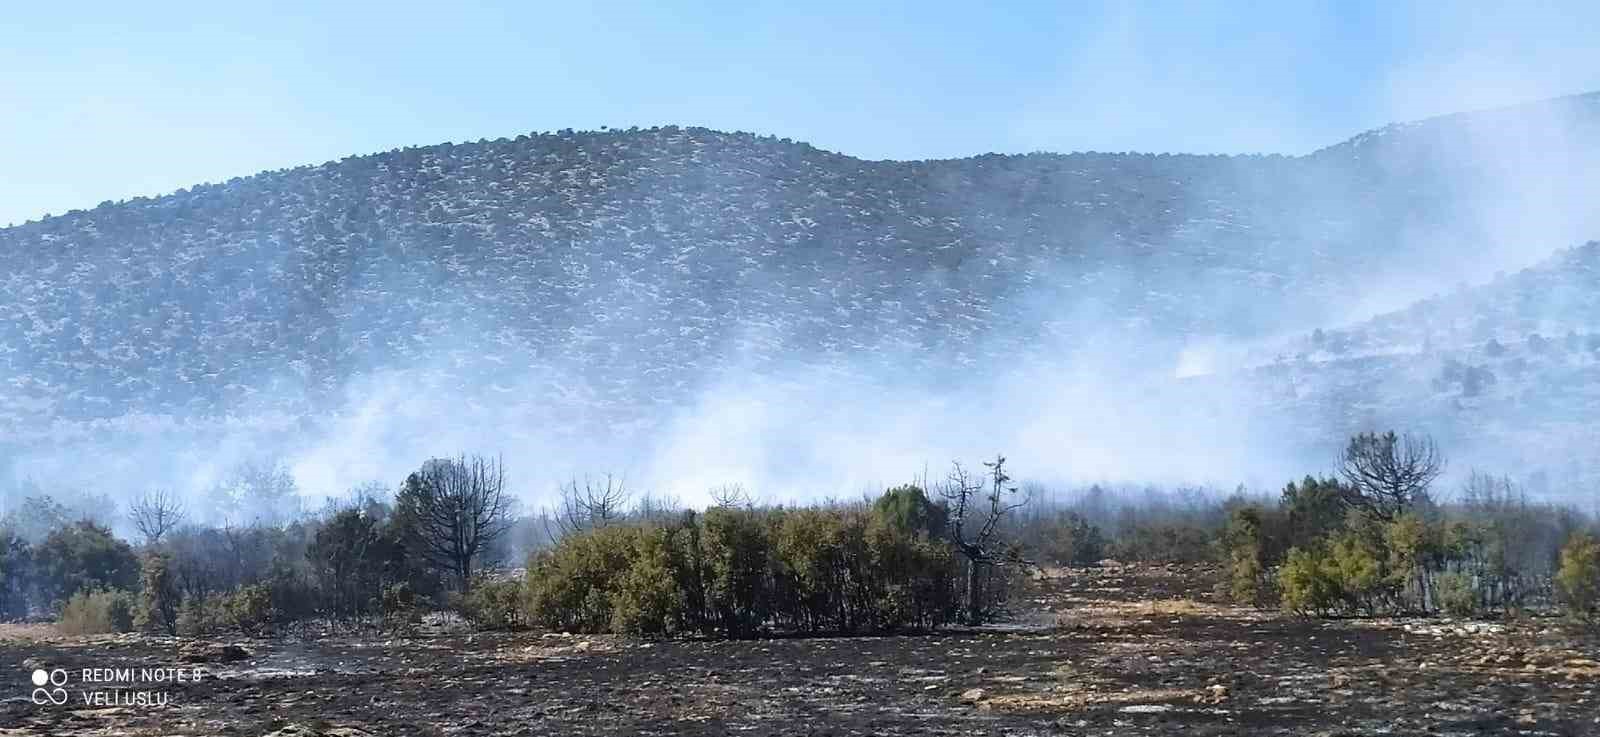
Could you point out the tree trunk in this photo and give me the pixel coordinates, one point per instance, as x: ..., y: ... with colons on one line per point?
x: 974, y: 594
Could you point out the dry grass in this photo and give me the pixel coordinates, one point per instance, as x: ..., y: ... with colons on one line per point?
x: 28, y: 632
x: 1078, y: 700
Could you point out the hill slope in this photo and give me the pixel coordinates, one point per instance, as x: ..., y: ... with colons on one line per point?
x: 1506, y: 373
x: 607, y: 280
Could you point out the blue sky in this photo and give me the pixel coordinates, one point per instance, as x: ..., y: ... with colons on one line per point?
x: 108, y: 100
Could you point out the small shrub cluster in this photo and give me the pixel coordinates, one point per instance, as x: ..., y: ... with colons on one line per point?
x: 159, y: 598
x: 1578, y: 578
x: 491, y: 604
x: 1167, y: 542
x: 199, y: 616
x: 1323, y: 550
x: 1068, y: 539
x: 97, y: 611
x: 247, y: 610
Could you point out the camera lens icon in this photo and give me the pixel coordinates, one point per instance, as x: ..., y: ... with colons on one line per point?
x: 42, y: 695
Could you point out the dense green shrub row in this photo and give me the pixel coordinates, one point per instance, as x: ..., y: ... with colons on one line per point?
x: 735, y: 571
x: 1372, y: 541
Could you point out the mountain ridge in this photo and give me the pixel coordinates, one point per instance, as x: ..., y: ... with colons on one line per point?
x: 616, y: 274
x: 1582, y: 97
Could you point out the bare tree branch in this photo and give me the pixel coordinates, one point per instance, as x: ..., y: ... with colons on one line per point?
x: 969, y: 507
x: 1386, y: 474
x: 592, y: 505
x: 453, y: 509
x: 156, y: 514
x: 731, y: 496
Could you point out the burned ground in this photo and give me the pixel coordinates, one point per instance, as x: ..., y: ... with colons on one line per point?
x: 1109, y: 651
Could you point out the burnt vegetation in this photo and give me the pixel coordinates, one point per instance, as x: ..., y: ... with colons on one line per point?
x: 1378, y: 538
x: 1016, y: 607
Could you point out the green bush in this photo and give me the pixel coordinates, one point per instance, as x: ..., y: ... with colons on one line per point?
x: 1244, y: 552
x: 1457, y: 596
x: 810, y: 550
x: 1355, y: 565
x: 84, y: 555
x: 250, y: 608
x: 649, y: 599
x: 1578, y: 578
x: 199, y: 616
x: 1313, y: 509
x: 290, y: 596
x: 917, y: 576
x: 1408, y: 544
x: 1306, y: 583
x: 738, y: 552
x: 17, y: 575
x: 97, y: 611
x: 493, y: 604
x: 570, y: 587
x: 735, y: 571
x: 908, y: 509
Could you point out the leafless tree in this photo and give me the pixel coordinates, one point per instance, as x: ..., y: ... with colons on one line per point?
x: 731, y: 496
x: 453, y: 509
x: 976, y: 515
x: 1386, y: 474
x: 156, y: 514
x: 592, y: 505
x: 657, y: 507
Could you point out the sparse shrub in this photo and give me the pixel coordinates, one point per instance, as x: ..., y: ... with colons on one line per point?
x: 199, y: 616
x: 1457, y: 596
x: 1071, y: 540
x: 398, y: 597
x: 399, y: 606
x: 1178, y: 542
x: 158, y: 596
x: 97, y: 611
x: 1578, y: 578
x: 1244, y: 551
x: 250, y: 608
x: 493, y: 604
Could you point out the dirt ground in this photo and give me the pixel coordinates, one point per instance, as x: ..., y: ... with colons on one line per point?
x: 1111, y: 651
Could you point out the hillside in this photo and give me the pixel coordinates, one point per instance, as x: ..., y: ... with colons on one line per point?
x: 604, y: 280
x: 1507, y: 373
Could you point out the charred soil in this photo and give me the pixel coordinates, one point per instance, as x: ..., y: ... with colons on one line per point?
x: 1112, y: 650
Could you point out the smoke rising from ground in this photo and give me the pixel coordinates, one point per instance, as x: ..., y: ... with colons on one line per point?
x: 1089, y: 399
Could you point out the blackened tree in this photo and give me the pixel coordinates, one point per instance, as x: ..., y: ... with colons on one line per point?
x: 452, y: 509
